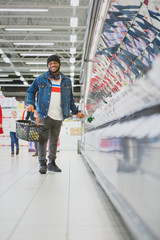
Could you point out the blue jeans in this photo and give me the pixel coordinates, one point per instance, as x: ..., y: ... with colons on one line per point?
x: 14, y: 140
x: 29, y: 115
x: 51, y: 131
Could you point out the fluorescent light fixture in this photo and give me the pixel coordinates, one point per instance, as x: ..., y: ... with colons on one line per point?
x: 35, y: 75
x: 35, y: 54
x: 38, y: 70
x: 28, y: 29
x: 6, y: 59
x: 35, y: 63
x: 3, y: 75
x: 73, y: 21
x: 33, y: 44
x: 72, y: 50
x: 13, y: 9
x: 72, y: 74
x: 22, y: 78
x: 72, y: 68
x: 17, y: 73
x: 73, y: 38
x: 25, y: 83
x: 14, y: 85
x: 6, y: 80
x: 74, y: 3
x: 72, y: 60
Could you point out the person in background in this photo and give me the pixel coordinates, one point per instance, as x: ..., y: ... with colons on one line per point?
x: 54, y: 102
x: 12, y: 127
x: 1, y: 117
x: 32, y: 117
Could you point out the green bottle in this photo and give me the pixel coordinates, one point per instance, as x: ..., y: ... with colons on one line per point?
x: 90, y: 119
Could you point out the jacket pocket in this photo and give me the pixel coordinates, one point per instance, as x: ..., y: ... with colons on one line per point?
x: 42, y: 86
x: 66, y: 90
x: 42, y: 94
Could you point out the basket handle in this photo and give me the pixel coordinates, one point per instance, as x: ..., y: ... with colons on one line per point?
x: 34, y: 112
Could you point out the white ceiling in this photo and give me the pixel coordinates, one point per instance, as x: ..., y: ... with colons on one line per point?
x: 57, y: 19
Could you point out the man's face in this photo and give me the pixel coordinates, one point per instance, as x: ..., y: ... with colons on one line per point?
x: 53, y: 66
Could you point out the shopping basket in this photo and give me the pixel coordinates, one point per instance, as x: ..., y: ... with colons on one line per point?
x: 29, y: 130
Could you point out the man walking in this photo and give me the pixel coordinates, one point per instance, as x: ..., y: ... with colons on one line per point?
x: 54, y: 102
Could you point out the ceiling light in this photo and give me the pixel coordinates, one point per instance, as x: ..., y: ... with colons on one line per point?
x: 38, y: 70
x: 14, y: 85
x: 72, y: 74
x: 35, y: 75
x: 33, y: 43
x: 13, y: 9
x: 6, y: 80
x: 72, y: 50
x: 3, y: 75
x: 17, y: 73
x: 25, y: 83
x: 72, y: 60
x: 35, y: 54
x: 74, y: 3
x: 73, y: 21
x: 28, y: 29
x: 73, y: 38
x: 6, y: 59
x: 22, y: 78
x: 72, y: 68
x: 36, y: 63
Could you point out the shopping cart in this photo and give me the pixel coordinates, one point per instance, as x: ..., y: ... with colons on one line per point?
x: 29, y: 130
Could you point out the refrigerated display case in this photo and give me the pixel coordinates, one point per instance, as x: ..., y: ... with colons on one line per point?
x: 121, y: 140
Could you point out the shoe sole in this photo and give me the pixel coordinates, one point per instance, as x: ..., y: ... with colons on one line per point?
x: 54, y: 170
x: 42, y: 172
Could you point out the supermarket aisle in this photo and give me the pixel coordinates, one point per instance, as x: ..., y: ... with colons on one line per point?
x: 61, y: 206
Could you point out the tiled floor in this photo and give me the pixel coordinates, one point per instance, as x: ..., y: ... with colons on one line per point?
x: 61, y: 206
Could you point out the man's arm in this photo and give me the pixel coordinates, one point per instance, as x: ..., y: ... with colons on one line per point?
x: 31, y: 95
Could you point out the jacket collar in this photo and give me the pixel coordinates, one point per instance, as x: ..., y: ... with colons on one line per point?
x: 62, y: 75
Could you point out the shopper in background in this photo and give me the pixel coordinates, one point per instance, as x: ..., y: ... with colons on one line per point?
x: 54, y: 102
x: 12, y: 127
x: 33, y: 118
x: 30, y: 115
x: 1, y: 117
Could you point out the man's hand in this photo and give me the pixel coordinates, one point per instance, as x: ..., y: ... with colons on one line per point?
x: 30, y: 108
x: 80, y: 115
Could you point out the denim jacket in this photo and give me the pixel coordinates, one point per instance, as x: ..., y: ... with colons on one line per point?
x: 43, y: 85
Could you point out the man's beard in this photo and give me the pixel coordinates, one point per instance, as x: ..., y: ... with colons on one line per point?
x: 54, y: 71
